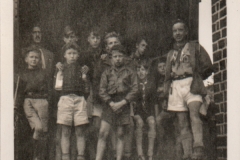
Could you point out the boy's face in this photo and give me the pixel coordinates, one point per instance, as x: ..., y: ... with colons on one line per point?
x: 71, y: 55
x: 161, y: 68
x: 117, y: 58
x: 179, y: 32
x: 141, y: 47
x: 93, y: 40
x: 37, y: 34
x: 71, y: 38
x: 142, y: 72
x: 111, y: 41
x: 32, y: 59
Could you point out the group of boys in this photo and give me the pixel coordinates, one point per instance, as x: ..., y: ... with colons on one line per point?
x: 104, y: 92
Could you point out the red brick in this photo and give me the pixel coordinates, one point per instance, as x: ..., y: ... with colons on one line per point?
x: 226, y: 127
x: 222, y: 153
x: 214, y: 1
x: 224, y: 32
x: 222, y: 141
x: 216, y: 36
x: 222, y: 65
x: 225, y: 107
x: 224, y: 75
x: 215, y: 46
x: 217, y: 56
x: 216, y: 67
x: 225, y: 95
x: 216, y: 88
x: 221, y: 44
x: 213, y: 27
x: 224, y: 53
x: 218, y: 25
x: 218, y: 97
x: 218, y: 77
x: 222, y: 3
x: 218, y: 129
x: 223, y: 86
x: 219, y: 118
x: 223, y: 12
x: 223, y: 23
x: 214, y: 17
x: 213, y: 9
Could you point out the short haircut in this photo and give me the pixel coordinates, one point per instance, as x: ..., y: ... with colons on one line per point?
x: 161, y: 60
x: 180, y: 21
x: 68, y: 30
x: 110, y: 35
x: 119, y: 48
x: 143, y: 64
x: 140, y: 38
x: 31, y: 49
x: 36, y: 25
x: 70, y: 46
x: 96, y: 31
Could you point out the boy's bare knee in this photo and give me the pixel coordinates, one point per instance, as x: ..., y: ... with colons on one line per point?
x: 66, y: 131
x: 139, y: 123
x: 120, y: 134
x: 195, y: 117
x: 79, y: 131
x: 151, y: 122
x: 103, y: 135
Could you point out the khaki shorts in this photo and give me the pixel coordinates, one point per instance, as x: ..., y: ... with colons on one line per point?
x: 36, y: 111
x: 72, y: 108
x: 180, y: 96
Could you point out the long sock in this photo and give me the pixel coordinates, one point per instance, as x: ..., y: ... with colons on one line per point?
x: 197, y: 134
x: 151, y: 141
x: 139, y: 139
x: 187, y: 147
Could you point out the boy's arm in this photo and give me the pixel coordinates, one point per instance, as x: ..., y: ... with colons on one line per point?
x: 103, y: 88
x: 131, y: 95
x: 167, y: 80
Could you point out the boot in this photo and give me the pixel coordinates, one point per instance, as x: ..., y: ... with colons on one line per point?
x: 141, y: 157
x: 80, y: 157
x: 198, y: 153
x: 66, y: 156
x: 197, y: 131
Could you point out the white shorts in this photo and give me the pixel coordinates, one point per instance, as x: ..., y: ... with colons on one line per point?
x: 180, y: 96
x: 72, y: 108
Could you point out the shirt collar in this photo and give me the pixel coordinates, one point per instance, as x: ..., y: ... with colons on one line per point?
x: 177, y: 47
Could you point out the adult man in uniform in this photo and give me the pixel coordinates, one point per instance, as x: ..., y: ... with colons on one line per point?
x: 188, y: 64
x: 46, y: 55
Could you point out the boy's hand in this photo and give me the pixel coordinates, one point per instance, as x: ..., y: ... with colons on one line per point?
x: 160, y: 89
x: 118, y: 105
x: 85, y: 69
x: 103, y: 56
x: 59, y: 66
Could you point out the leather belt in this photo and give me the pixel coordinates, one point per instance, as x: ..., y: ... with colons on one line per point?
x: 181, y: 77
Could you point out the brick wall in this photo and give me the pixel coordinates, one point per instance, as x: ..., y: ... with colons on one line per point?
x: 219, y: 35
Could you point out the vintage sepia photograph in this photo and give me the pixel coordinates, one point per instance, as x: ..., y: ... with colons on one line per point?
x: 120, y: 79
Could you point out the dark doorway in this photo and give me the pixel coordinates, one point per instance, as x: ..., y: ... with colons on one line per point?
x: 128, y: 17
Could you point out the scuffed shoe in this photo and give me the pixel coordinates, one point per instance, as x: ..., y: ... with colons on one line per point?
x: 150, y: 157
x: 198, y: 154
x: 141, y: 157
